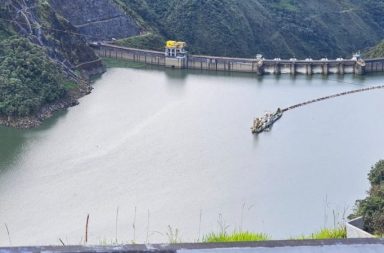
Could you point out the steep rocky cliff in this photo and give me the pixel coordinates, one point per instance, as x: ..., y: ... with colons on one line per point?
x: 48, y: 65
x: 37, y: 21
x: 97, y: 19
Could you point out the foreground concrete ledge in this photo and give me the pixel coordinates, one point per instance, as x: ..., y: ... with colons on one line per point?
x: 303, y: 246
x: 355, y: 229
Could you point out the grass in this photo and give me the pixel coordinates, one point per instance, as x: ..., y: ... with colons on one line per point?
x: 243, y: 236
x: 173, y: 235
x: 287, y: 5
x: 327, y: 233
x: 120, y: 63
x: 246, y: 236
x: 146, y: 41
x: 70, y: 85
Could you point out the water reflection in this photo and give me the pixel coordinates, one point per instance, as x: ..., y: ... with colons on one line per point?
x: 256, y: 140
x: 51, y: 122
x: 11, y: 142
x: 179, y: 74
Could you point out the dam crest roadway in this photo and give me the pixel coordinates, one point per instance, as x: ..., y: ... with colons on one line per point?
x: 259, y: 65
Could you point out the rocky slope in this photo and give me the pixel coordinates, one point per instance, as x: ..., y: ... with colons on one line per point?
x: 37, y: 21
x: 376, y: 51
x: 275, y: 28
x: 97, y: 20
x: 59, y: 44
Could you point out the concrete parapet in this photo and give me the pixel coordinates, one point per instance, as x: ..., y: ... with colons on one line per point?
x: 355, y: 229
x: 289, y: 246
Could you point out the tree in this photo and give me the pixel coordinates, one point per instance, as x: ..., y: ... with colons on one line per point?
x: 28, y: 79
x: 372, y: 207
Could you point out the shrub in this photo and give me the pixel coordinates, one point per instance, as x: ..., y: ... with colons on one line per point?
x: 28, y: 79
x: 372, y: 207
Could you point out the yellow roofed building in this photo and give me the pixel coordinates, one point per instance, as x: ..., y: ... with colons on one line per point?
x: 175, y: 54
x: 175, y: 48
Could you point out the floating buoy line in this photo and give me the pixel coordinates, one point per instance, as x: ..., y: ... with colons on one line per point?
x: 266, y: 122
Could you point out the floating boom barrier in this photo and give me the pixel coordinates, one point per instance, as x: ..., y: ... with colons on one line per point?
x: 333, y: 96
x: 268, y: 121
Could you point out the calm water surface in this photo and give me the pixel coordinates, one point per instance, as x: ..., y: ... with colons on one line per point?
x: 176, y: 147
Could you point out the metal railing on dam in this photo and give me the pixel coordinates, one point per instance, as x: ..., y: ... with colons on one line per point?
x: 250, y: 65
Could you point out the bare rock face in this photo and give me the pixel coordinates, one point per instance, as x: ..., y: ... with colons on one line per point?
x: 97, y: 19
x: 32, y: 18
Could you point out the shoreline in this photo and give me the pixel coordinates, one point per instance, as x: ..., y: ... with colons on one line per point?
x: 71, y: 98
x: 48, y: 110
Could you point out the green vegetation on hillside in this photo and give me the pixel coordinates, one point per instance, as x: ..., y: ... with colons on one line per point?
x: 29, y: 73
x: 372, y: 207
x: 147, y: 41
x: 285, y: 5
x: 375, y: 52
x: 275, y: 28
x: 28, y: 79
x: 67, y: 44
x: 59, y: 38
x: 5, y: 28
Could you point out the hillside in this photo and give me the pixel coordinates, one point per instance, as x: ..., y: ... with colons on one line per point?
x: 100, y: 20
x: 376, y: 51
x: 26, y: 71
x: 274, y: 28
x: 277, y: 28
x: 39, y: 52
x: 60, y: 30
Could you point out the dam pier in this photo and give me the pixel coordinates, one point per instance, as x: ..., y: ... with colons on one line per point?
x: 175, y: 56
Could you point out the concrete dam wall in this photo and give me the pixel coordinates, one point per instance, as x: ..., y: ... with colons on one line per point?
x: 374, y: 65
x: 250, y: 65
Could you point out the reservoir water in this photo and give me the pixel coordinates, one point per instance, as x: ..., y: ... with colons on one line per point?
x: 149, y: 149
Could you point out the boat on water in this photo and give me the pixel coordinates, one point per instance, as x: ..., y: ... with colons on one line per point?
x: 266, y: 122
